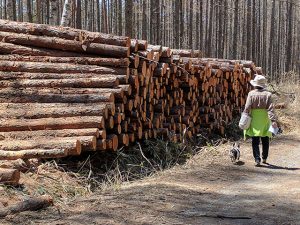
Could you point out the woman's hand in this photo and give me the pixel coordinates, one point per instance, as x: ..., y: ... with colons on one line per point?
x: 274, y: 124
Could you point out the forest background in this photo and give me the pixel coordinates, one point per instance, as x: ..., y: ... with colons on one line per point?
x: 264, y: 31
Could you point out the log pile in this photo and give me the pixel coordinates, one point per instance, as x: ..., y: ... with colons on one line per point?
x: 65, y: 91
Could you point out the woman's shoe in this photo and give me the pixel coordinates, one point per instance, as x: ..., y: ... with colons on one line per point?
x: 264, y: 161
x: 257, y: 163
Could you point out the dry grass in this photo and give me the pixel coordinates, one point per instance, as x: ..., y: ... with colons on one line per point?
x: 286, y: 90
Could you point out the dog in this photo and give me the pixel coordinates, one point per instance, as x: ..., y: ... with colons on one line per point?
x: 234, y: 153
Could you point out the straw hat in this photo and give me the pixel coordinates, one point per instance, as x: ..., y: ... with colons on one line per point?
x: 259, y: 81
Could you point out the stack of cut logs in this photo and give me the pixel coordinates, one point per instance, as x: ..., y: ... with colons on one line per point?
x: 65, y: 91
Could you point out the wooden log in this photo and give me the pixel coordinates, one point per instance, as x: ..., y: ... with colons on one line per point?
x: 100, y: 82
x: 31, y: 96
x: 112, y: 142
x: 123, y: 139
x: 131, y: 137
x: 88, y: 143
x: 25, y: 135
x: 118, y: 93
x: 156, y: 48
x: 66, y: 45
x: 134, y: 45
x: 63, y: 32
x: 110, y: 62
x: 183, y: 52
x: 33, y: 153
x: 9, y: 176
x: 31, y: 204
x: 142, y: 45
x: 7, y: 125
x: 46, y: 67
x: 27, y: 111
x: 101, y: 144
x: 73, y: 145
x: 8, y: 48
x: 25, y: 75
x: 31, y: 106
x: 166, y: 52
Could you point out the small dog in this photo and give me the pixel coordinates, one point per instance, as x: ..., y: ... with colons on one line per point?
x: 234, y: 153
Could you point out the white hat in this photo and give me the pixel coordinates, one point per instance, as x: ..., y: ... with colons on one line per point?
x: 259, y: 81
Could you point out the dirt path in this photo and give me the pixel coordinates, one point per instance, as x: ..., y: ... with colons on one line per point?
x: 207, y: 190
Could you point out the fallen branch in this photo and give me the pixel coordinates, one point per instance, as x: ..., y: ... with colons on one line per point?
x: 32, y: 204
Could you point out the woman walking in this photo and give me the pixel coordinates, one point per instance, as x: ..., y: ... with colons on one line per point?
x: 260, y: 107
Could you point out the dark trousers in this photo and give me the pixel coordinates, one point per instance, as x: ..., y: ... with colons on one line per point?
x: 265, y: 147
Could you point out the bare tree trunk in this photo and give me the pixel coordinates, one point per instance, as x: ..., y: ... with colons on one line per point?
x: 235, y: 29
x: 20, y: 10
x: 99, y: 17
x: 289, y: 50
x: 128, y: 17
x: 53, y: 12
x: 181, y: 27
x: 104, y: 17
x: 38, y: 11
x: 78, y: 14
x: 120, y: 27
x: 272, y: 32
x: 249, y: 29
x: 191, y: 25
x: 176, y: 24
x: 9, y: 9
x: 144, y: 26
x: 29, y: 11
x: 47, y: 16
x: 157, y: 25
x: 66, y: 15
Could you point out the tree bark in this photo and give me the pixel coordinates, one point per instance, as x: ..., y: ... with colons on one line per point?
x: 63, y: 32
x: 29, y: 11
x: 53, y: 124
x: 25, y: 135
x: 128, y: 17
x: 100, y: 82
x: 32, y: 204
x: 123, y: 79
x: 38, y: 12
x: 53, y: 12
x: 72, y: 145
x: 78, y: 14
x: 62, y: 44
x: 33, y: 153
x: 7, y: 48
x: 110, y: 62
x: 35, y: 96
x: 55, y: 112
x: 144, y: 23
x: 66, y: 15
x: 9, y: 176
x: 46, y: 67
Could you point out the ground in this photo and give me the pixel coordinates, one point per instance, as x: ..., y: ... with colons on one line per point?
x: 208, y: 189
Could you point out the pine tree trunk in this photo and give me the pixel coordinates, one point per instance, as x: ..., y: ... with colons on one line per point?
x: 66, y: 15
x: 128, y: 17
x: 78, y: 14
x: 120, y: 25
x: 9, y: 9
x: 29, y: 10
x: 53, y: 12
x: 144, y: 23
x: 235, y: 28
